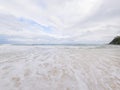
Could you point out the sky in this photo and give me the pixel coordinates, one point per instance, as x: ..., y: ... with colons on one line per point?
x: 59, y: 21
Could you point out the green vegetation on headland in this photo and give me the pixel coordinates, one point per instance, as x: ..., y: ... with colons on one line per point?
x: 115, y: 41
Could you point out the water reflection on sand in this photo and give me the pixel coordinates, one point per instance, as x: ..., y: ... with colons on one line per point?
x: 59, y: 67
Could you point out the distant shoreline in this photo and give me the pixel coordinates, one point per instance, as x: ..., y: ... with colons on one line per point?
x: 55, y: 44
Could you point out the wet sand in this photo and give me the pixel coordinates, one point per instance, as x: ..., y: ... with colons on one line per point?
x: 59, y: 67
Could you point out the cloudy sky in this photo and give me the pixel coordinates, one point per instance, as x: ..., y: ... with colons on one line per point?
x: 59, y: 21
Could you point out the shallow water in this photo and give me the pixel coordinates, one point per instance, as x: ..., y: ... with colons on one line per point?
x: 59, y: 67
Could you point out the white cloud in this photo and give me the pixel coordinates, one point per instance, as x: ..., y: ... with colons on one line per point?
x: 72, y: 21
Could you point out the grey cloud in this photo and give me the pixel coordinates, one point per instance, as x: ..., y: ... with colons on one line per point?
x: 73, y: 21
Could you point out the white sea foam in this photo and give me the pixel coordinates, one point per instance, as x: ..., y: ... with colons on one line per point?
x: 59, y: 67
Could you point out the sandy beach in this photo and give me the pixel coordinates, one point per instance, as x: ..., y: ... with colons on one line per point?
x: 59, y: 67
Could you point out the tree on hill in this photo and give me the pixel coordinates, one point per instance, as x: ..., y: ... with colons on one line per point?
x: 116, y: 41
